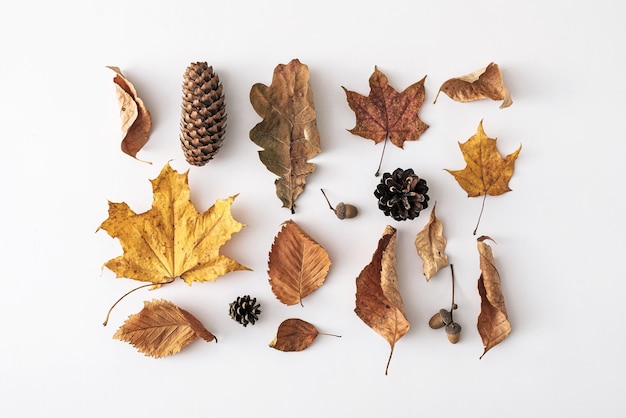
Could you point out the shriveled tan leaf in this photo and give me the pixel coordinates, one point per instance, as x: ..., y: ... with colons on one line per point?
x: 161, y: 329
x: 297, y: 266
x: 136, y: 120
x: 288, y: 132
x: 493, y: 322
x: 431, y: 246
x: 485, y: 83
x: 172, y: 239
x: 294, y: 335
x: 378, y: 301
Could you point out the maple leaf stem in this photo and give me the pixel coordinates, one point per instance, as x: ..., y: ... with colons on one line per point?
x: 481, y: 213
x: 106, y: 320
x: 380, y: 163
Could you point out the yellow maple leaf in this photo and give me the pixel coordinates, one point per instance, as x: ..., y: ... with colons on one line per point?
x: 172, y: 239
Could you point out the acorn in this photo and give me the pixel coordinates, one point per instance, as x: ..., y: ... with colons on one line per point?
x: 454, y: 332
x: 440, y: 319
x: 342, y: 210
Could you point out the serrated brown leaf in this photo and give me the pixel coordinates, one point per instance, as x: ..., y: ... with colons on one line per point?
x: 378, y: 301
x: 172, y: 239
x: 135, y: 117
x: 431, y: 246
x: 493, y: 322
x: 294, y: 335
x: 297, y: 266
x: 161, y: 329
x: 288, y: 133
x: 485, y: 83
x: 385, y: 113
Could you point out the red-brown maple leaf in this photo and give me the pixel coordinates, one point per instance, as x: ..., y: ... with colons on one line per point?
x: 385, y: 113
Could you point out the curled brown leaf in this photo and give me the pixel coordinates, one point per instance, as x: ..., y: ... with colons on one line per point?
x: 136, y: 120
x: 493, y: 322
x: 431, y: 246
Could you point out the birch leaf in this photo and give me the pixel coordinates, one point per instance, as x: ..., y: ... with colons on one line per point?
x: 431, y: 246
x: 493, y: 322
x: 485, y: 83
x: 136, y: 120
x: 161, y: 329
x: 378, y: 301
x: 294, y: 335
x: 288, y: 133
x: 297, y: 266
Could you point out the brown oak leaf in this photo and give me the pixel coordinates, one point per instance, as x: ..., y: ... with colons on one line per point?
x: 172, y: 239
x: 431, y: 246
x: 294, y: 335
x: 385, y: 113
x: 378, y: 301
x: 136, y: 120
x: 288, y: 133
x: 493, y: 322
x: 486, y: 171
x: 161, y: 329
x: 485, y: 83
x: 297, y: 266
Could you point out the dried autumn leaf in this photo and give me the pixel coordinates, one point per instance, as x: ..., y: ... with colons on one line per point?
x: 431, y: 246
x: 486, y: 171
x: 172, y: 239
x: 485, y: 83
x: 387, y: 114
x: 297, y: 266
x: 493, y: 322
x: 288, y: 133
x: 161, y: 329
x: 294, y: 335
x: 136, y: 120
x: 378, y: 301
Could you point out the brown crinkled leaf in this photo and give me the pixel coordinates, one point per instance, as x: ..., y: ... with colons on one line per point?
x: 485, y: 83
x: 288, y: 133
x: 136, y: 120
x: 161, y: 329
x: 431, y: 246
x: 294, y: 335
x: 378, y: 301
x: 172, y: 240
x: 493, y: 322
x: 297, y: 266
x: 385, y: 113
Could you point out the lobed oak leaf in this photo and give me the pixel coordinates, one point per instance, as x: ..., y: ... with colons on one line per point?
x: 161, y: 329
x: 378, y: 301
x: 486, y: 171
x: 431, y: 245
x: 485, y: 83
x: 297, y: 266
x: 135, y: 117
x: 493, y: 323
x: 294, y: 335
x: 172, y: 239
x: 288, y: 133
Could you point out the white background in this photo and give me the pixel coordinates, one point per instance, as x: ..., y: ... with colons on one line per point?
x: 559, y: 233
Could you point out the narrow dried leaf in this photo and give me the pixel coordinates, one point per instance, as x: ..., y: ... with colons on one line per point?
x: 485, y: 83
x: 172, y: 239
x: 161, y: 329
x: 294, y: 335
x: 385, y: 113
x: 136, y: 120
x: 431, y: 246
x: 493, y: 322
x: 297, y: 266
x: 288, y: 133
x: 378, y: 301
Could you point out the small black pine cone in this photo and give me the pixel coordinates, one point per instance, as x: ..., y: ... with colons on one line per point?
x: 402, y: 195
x: 245, y: 310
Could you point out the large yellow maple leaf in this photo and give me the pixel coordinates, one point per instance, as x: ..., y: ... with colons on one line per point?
x: 172, y: 239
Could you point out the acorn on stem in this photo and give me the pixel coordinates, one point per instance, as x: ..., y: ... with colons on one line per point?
x: 440, y: 319
x: 342, y: 210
